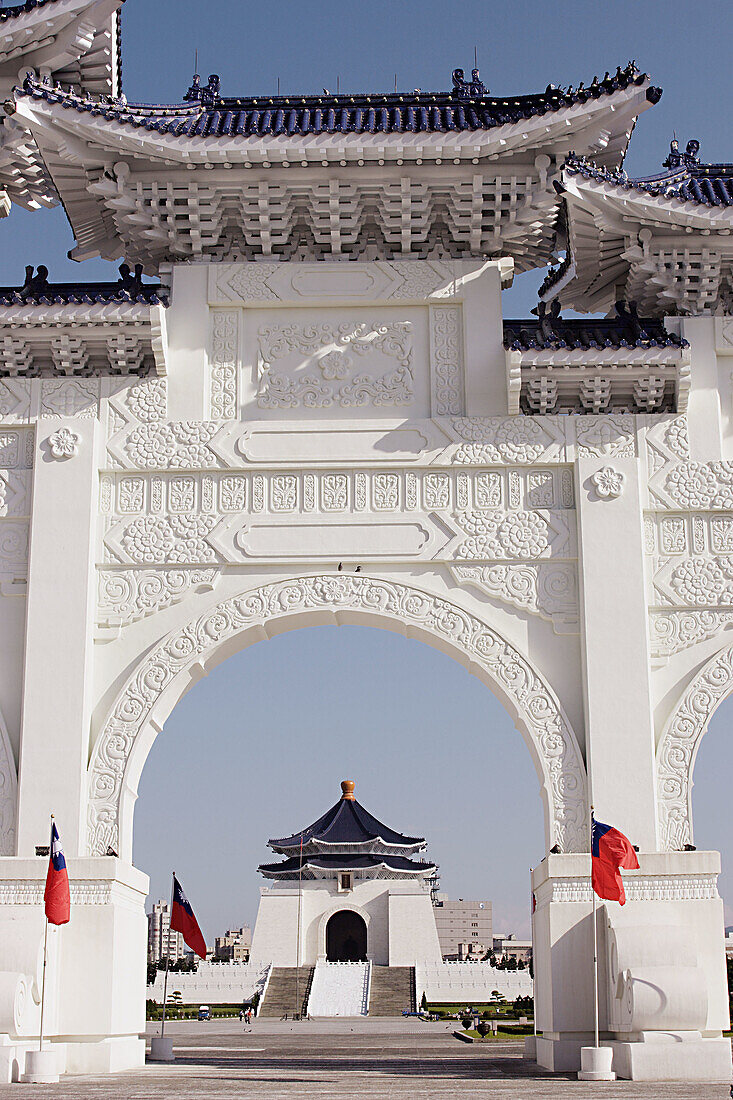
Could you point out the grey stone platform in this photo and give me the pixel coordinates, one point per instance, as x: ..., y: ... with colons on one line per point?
x: 377, y: 1059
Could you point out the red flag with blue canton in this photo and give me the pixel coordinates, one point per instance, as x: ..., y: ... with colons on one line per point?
x: 183, y: 921
x: 610, y: 850
x: 56, y: 896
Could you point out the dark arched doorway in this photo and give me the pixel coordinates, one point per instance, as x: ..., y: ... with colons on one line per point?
x: 346, y: 937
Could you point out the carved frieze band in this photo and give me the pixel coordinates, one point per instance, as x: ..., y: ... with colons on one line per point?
x: 678, y: 747
x: 247, y: 283
x: 142, y: 439
x: 201, y: 518
x: 352, y: 490
x: 692, y: 887
x: 539, y: 713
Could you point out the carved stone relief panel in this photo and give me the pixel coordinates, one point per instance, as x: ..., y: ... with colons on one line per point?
x: 15, y: 399
x: 70, y: 397
x: 605, y: 435
x: 333, y: 361
x: 547, y: 589
x: 666, y: 441
x: 693, y: 485
x: 126, y: 595
x: 673, y: 631
x: 303, y: 283
x: 224, y: 364
x: 446, y: 366
x: 16, y: 461
x: 525, y: 440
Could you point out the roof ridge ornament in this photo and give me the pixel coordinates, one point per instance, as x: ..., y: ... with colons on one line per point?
x: 689, y: 159
x: 347, y: 787
x: 205, y: 96
x: 468, y: 89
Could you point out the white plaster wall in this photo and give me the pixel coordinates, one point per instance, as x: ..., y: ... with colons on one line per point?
x: 469, y: 983
x: 213, y: 983
x: 398, y: 915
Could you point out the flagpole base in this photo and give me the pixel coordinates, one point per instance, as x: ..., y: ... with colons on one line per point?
x: 41, y: 1068
x: 595, y: 1064
x: 161, y: 1049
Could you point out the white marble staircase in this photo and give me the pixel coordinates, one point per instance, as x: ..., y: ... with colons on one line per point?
x: 340, y: 989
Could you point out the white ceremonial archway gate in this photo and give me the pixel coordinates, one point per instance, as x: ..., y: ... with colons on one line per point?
x: 341, y: 443
x: 167, y: 671
x: 318, y: 413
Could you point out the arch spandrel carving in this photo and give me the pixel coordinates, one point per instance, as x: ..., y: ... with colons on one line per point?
x: 137, y: 713
x: 679, y: 743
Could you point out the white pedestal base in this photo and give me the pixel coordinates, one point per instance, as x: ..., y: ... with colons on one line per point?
x: 595, y: 1064
x: 530, y: 1047
x: 161, y: 1049
x: 666, y: 1059
x: 41, y: 1068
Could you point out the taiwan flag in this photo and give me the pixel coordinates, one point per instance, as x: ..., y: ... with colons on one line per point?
x: 610, y: 850
x: 183, y: 921
x: 56, y: 896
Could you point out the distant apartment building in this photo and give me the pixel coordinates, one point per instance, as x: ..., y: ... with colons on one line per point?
x: 509, y: 947
x: 162, y: 943
x: 462, y: 922
x: 235, y: 945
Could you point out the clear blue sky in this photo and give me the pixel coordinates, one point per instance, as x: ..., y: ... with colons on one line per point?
x: 259, y: 747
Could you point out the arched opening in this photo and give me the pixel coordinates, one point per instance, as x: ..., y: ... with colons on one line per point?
x: 167, y: 671
x: 346, y: 937
x: 257, y: 749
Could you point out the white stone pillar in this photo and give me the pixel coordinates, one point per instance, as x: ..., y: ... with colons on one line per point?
x: 619, y: 736
x: 704, y: 416
x: 57, y: 695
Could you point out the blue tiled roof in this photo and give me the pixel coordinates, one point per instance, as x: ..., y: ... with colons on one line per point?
x: 150, y: 294
x: 584, y: 334
x: 414, y: 112
x: 15, y: 10
x: 289, y: 867
x: 704, y: 184
x: 347, y: 822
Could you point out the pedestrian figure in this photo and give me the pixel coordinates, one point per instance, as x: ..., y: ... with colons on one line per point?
x: 241, y: 1015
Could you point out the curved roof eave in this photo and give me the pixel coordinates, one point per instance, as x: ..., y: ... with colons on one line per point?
x: 147, y: 128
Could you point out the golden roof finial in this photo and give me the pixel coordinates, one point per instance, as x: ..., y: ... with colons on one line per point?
x: 347, y: 786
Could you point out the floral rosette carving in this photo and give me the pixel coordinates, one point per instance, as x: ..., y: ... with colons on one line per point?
x: 63, y: 444
x: 608, y: 483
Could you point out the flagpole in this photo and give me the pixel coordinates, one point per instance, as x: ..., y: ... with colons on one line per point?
x: 297, y: 947
x: 595, y: 935
x: 45, y: 948
x: 167, y: 957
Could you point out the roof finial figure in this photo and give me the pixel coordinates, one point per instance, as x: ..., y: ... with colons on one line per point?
x: 193, y: 95
x: 347, y: 787
x: 688, y: 159
x: 35, y: 285
x: 211, y: 92
x: 468, y: 89
x: 127, y: 281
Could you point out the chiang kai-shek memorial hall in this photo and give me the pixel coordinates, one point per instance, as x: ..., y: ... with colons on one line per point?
x: 352, y: 891
x: 304, y: 366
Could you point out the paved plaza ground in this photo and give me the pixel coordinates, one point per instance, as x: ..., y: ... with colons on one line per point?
x: 335, y: 1059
